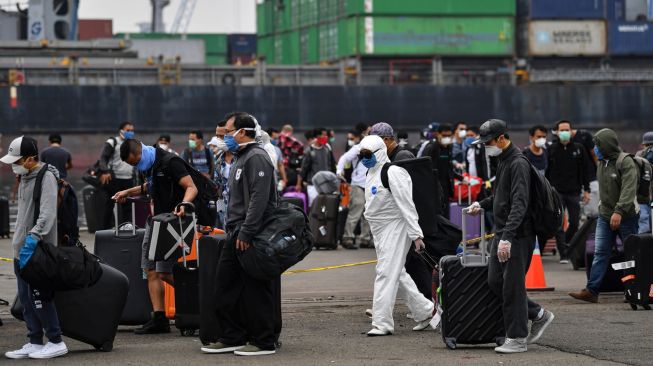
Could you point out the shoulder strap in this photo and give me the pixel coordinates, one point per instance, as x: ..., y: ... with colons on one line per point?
x: 384, y: 176
x: 620, y: 160
x: 38, y: 186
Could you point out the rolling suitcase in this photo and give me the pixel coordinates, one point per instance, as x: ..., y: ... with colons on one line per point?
x: 612, y: 280
x: 168, y: 233
x: 456, y: 215
x: 576, y: 247
x: 211, y: 249
x: 291, y: 193
x: 94, y: 202
x: 91, y: 315
x: 187, y: 295
x: 638, y: 271
x: 471, y: 312
x: 123, y: 250
x: 4, y: 218
x: 323, y: 220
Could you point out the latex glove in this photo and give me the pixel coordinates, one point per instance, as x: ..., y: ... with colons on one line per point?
x: 503, y: 252
x: 419, y: 245
x: 474, y: 209
x: 27, y: 250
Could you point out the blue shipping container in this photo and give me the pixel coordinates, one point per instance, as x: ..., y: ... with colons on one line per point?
x: 568, y: 9
x: 616, y: 10
x: 242, y: 44
x: 630, y: 38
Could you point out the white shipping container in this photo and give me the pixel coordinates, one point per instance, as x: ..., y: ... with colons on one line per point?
x: 191, y: 51
x: 567, y: 38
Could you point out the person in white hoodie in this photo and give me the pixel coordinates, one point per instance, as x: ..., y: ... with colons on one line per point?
x: 393, y: 220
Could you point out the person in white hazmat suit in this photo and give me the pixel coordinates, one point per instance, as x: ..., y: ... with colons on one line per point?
x: 393, y: 220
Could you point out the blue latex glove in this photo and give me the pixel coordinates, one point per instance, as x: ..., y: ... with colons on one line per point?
x: 26, y: 251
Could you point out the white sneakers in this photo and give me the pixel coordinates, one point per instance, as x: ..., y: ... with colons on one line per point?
x: 37, y: 351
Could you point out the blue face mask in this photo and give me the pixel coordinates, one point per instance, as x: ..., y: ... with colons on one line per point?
x: 147, y: 158
x: 128, y: 135
x: 369, y: 163
x: 598, y: 153
x: 274, y: 142
x: 232, y: 145
x: 468, y: 141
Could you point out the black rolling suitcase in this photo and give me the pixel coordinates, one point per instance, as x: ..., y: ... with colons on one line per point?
x: 4, y: 218
x: 323, y: 220
x: 122, y: 250
x: 471, y: 312
x: 638, y: 271
x: 211, y: 248
x: 91, y: 315
x: 94, y: 203
x: 612, y: 279
x: 187, y: 297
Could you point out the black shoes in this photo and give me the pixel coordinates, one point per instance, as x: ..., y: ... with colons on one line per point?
x: 157, y: 325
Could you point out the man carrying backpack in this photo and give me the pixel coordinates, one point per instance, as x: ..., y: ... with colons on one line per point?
x: 646, y: 200
x: 169, y: 183
x: 39, y: 309
x: 618, y: 176
x: 513, y: 245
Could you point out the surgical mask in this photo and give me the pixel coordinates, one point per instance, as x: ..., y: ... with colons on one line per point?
x: 148, y: 155
x: 462, y: 134
x: 446, y: 141
x: 402, y: 142
x: 274, y: 142
x: 469, y: 140
x: 597, y: 152
x: 19, y: 169
x: 332, y: 140
x: 231, y: 143
x: 192, y: 144
x: 370, y: 162
x: 221, y: 145
x: 128, y: 135
x: 564, y: 136
x: 163, y: 146
x: 492, y: 151
x: 351, y: 143
x: 541, y: 142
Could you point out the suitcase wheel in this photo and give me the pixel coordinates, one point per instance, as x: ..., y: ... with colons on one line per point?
x: 187, y: 332
x: 105, y: 347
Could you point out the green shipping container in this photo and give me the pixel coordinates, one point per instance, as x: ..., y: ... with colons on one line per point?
x: 216, y: 59
x: 309, y: 46
x: 286, y: 48
x: 264, y: 18
x: 430, y: 7
x: 265, y: 48
x: 404, y: 36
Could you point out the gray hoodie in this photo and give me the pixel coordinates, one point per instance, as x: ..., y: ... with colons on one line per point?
x: 46, y: 224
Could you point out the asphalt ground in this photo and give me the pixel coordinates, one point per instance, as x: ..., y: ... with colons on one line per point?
x: 324, y: 324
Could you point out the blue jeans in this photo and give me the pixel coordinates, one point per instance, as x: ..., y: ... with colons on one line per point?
x: 605, y: 240
x: 39, y: 314
x: 644, y: 218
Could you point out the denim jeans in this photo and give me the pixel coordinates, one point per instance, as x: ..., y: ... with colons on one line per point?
x: 40, y: 314
x: 605, y: 240
x: 644, y: 218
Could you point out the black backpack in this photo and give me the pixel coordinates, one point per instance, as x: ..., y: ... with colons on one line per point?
x: 545, y: 205
x: 67, y: 209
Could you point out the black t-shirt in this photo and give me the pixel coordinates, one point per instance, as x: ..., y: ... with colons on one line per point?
x: 585, y: 138
x: 57, y: 157
x: 164, y: 178
x: 541, y: 162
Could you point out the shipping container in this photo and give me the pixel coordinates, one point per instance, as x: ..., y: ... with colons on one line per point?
x: 216, y: 59
x: 446, y: 36
x: 286, y: 48
x: 568, y: 9
x: 265, y: 48
x: 630, y: 38
x: 616, y: 10
x: 309, y: 46
x: 567, y: 38
x: 264, y: 18
x: 190, y: 51
x: 431, y: 7
x: 242, y: 44
x: 89, y: 29
x: 636, y: 10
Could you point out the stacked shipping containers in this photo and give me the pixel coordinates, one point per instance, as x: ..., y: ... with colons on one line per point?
x: 312, y: 31
x: 215, y: 50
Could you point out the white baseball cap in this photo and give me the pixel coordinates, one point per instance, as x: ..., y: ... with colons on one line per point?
x: 20, y: 147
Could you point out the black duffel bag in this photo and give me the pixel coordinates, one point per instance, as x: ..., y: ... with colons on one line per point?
x: 445, y: 241
x: 61, y: 268
x: 284, y: 241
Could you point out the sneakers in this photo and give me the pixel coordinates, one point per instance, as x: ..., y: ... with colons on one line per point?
x: 348, y: 243
x: 512, y: 345
x: 252, y: 350
x: 422, y: 325
x: 50, y: 350
x: 24, y: 352
x: 585, y: 295
x: 368, y: 312
x: 220, y: 348
x: 366, y: 244
x: 538, y: 326
x: 564, y: 261
x: 157, y: 325
x: 376, y: 332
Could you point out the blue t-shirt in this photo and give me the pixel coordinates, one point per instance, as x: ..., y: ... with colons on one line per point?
x: 198, y: 159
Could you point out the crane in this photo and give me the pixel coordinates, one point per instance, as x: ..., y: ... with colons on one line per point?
x: 183, y: 17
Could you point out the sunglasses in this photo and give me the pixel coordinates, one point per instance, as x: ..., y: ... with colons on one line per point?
x: 366, y: 154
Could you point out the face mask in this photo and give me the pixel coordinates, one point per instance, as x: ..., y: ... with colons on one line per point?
x: 274, y: 142
x: 540, y: 142
x: 492, y: 151
x: 128, y: 135
x: 221, y: 145
x: 148, y: 155
x: 402, y: 142
x: 446, y: 141
x: 231, y: 143
x: 462, y: 134
x: 163, y: 146
x: 192, y: 144
x: 597, y: 152
x: 332, y: 140
x: 369, y: 163
x: 322, y: 140
x: 469, y: 140
x: 351, y: 143
x: 19, y: 169
x: 564, y: 136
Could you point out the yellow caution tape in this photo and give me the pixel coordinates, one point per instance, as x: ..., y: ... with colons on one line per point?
x: 318, y: 269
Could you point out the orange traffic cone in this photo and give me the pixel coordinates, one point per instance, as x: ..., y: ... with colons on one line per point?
x: 535, y: 280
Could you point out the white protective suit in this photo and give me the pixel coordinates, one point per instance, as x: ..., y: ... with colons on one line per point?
x: 394, y: 223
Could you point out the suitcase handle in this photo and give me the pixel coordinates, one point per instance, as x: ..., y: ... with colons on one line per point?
x: 460, y: 185
x: 115, y: 216
x: 466, y: 259
x: 181, y: 237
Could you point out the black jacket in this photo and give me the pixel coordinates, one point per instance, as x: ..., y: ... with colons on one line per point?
x: 442, y: 161
x: 252, y: 192
x: 567, y: 170
x: 511, y: 196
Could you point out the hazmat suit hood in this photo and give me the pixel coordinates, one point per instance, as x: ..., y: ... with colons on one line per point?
x: 607, y: 141
x: 375, y: 144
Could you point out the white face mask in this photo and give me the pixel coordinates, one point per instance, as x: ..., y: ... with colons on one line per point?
x: 403, y: 142
x: 492, y: 151
x: 446, y: 141
x: 221, y: 145
x: 19, y: 169
x: 462, y: 134
x: 541, y: 142
x: 351, y: 143
x: 164, y: 146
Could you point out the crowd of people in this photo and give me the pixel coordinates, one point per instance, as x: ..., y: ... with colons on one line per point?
x: 591, y: 174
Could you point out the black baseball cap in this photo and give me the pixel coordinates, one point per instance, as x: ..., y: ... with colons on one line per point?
x: 21, y: 147
x: 490, y: 130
